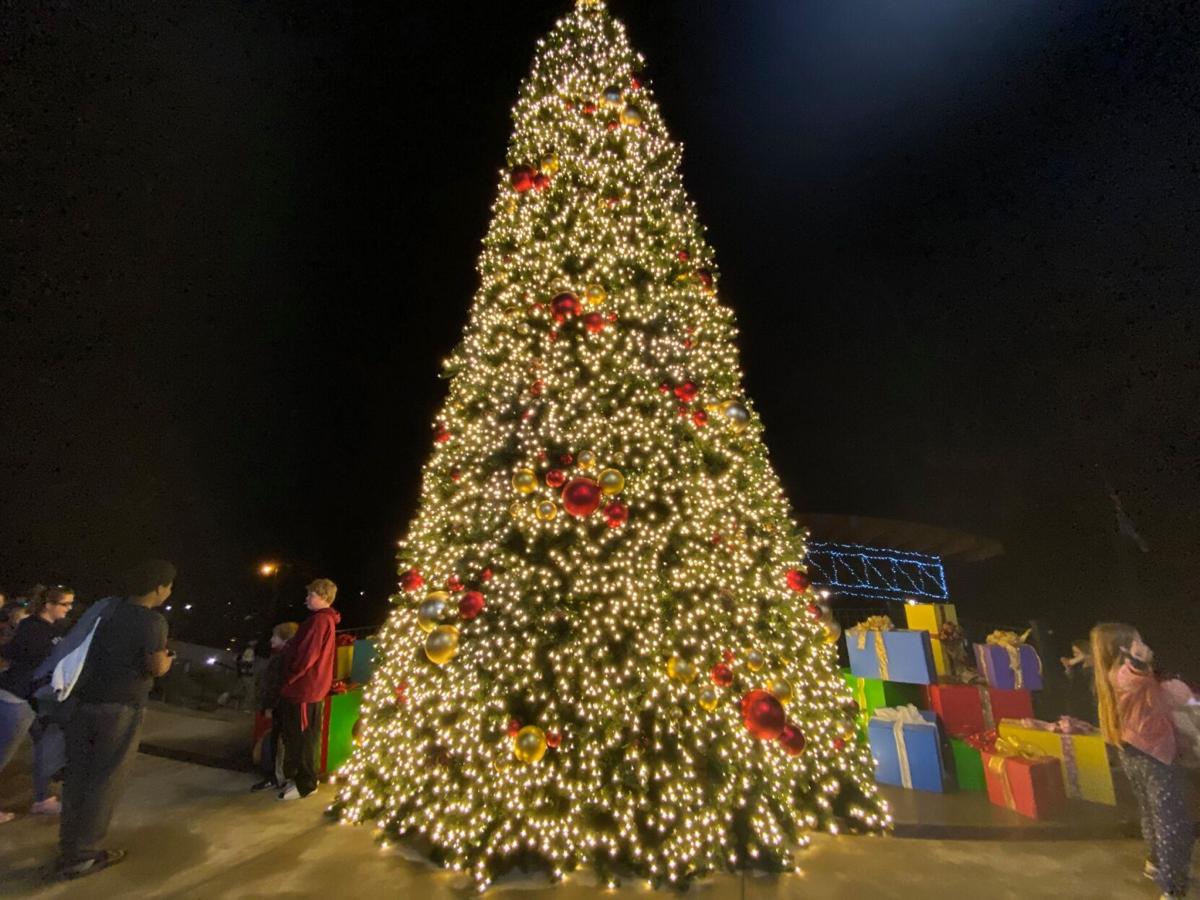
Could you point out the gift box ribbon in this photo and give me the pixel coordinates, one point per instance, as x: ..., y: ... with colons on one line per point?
x: 1066, y: 728
x: 1012, y: 643
x: 876, y: 625
x: 1004, y: 750
x: 900, y: 716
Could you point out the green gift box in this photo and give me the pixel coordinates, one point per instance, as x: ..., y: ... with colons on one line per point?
x: 968, y: 766
x: 874, y: 693
x: 339, y: 716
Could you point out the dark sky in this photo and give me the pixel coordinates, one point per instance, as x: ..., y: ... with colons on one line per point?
x: 960, y: 239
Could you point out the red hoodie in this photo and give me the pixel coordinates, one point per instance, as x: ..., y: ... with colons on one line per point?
x: 308, y: 664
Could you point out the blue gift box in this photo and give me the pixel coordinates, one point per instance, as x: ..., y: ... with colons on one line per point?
x: 922, y: 746
x: 908, y: 655
x: 363, y: 662
x: 996, y: 665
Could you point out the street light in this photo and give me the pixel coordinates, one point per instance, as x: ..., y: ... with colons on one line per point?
x: 268, y: 569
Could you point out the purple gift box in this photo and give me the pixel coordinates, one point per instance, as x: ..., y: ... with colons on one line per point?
x: 996, y: 664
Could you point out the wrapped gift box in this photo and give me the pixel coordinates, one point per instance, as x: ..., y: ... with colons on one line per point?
x: 929, y: 616
x: 901, y: 655
x: 968, y: 765
x: 363, y: 662
x: 340, y: 713
x: 908, y: 753
x: 996, y: 664
x: 1029, y: 786
x: 872, y: 693
x: 343, y: 658
x: 941, y: 658
x: 970, y: 709
x: 1083, y: 758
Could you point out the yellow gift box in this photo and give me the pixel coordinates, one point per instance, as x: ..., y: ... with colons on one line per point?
x: 1083, y: 757
x: 929, y: 617
x: 941, y: 659
x: 342, y: 661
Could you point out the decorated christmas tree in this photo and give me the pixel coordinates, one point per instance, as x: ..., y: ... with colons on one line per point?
x: 605, y: 651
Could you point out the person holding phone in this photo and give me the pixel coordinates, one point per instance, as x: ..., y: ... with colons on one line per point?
x: 128, y: 651
x: 1137, y: 716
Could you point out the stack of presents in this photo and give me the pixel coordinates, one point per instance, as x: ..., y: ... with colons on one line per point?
x: 936, y: 719
x: 353, y: 663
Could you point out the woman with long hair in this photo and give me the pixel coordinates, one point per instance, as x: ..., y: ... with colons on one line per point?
x: 1136, y: 717
x: 34, y: 639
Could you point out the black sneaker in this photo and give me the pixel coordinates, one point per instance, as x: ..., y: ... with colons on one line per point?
x: 102, y: 860
x: 265, y: 785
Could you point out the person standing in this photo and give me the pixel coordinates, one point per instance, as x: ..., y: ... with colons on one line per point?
x: 128, y: 651
x: 267, y: 699
x: 1136, y: 715
x: 34, y: 639
x: 305, y: 683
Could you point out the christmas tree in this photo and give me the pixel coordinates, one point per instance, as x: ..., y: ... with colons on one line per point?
x: 605, y: 650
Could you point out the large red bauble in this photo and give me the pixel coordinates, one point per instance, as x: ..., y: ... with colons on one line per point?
x: 700, y: 417
x: 594, y: 322
x: 565, y: 304
x: 686, y: 391
x: 541, y: 181
x: 556, y: 478
x: 763, y: 715
x: 722, y: 675
x: 797, y: 580
x: 470, y: 605
x: 522, y: 178
x: 581, y: 497
x: 411, y: 581
x: 792, y: 740
x: 616, y: 514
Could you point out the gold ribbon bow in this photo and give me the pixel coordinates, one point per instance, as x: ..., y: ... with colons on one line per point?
x: 876, y: 625
x: 1006, y: 748
x: 1012, y: 644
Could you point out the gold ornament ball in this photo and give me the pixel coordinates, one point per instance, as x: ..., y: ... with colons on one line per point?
x: 631, y: 115
x: 780, y: 690
x: 441, y: 645
x: 708, y: 697
x: 529, y: 745
x: 755, y: 661
x: 549, y: 164
x: 681, y: 669
x: 547, y: 510
x: 525, y: 481
x: 611, y: 481
x: 433, y: 610
x: 586, y: 459
x: 833, y: 631
x: 737, y: 416
x: 515, y: 510
x: 595, y: 294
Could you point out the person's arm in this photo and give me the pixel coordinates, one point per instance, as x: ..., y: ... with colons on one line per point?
x: 158, y: 657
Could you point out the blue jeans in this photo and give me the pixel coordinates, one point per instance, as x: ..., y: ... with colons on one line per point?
x: 16, y: 716
x: 1166, y: 823
x: 49, y: 756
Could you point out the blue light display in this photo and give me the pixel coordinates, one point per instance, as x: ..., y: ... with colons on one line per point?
x: 876, y: 572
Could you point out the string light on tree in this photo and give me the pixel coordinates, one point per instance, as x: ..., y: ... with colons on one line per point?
x: 581, y: 705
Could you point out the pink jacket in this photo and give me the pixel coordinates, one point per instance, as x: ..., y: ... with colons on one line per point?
x: 1145, y: 707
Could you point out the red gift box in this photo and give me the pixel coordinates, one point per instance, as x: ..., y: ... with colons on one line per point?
x: 968, y: 709
x: 1030, y: 786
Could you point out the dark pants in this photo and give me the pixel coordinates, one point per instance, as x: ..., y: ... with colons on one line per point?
x: 299, y: 744
x: 1166, y: 823
x: 101, y: 741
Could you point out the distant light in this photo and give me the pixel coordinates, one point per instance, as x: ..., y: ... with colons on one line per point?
x: 187, y: 606
x: 824, y: 595
x: 212, y: 661
x: 168, y: 607
x: 268, y: 568
x: 362, y: 593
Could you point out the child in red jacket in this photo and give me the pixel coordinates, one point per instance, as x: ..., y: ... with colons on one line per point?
x: 307, y: 677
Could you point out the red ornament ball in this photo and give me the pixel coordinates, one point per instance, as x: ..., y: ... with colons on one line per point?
x: 514, y: 725
x: 454, y: 583
x: 556, y: 478
x: 594, y: 322
x: 635, y: 83
x: 763, y: 715
x: 581, y: 497
x: 537, y: 387
x: 565, y: 304
x: 470, y: 606
x: 687, y: 391
x: 792, y: 740
x: 541, y: 181
x: 664, y: 388
x: 684, y: 256
x: 611, y: 126
x: 616, y: 514
x: 455, y: 474
x: 727, y: 656
x: 705, y: 277
x: 485, y: 575
x: 442, y: 436
x: 722, y: 675
x: 589, y: 108
x: 611, y: 318
x: 700, y: 417
x: 813, y: 611
x: 797, y: 580
x: 411, y: 581
x: 552, y: 336
x: 521, y: 179
x: 553, y: 739
x: 839, y: 744
x: 566, y: 460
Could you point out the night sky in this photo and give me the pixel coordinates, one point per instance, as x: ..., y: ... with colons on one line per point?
x: 960, y: 239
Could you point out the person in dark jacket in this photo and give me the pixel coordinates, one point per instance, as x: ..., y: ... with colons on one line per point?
x: 34, y: 640
x: 307, y: 678
x: 267, y: 698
